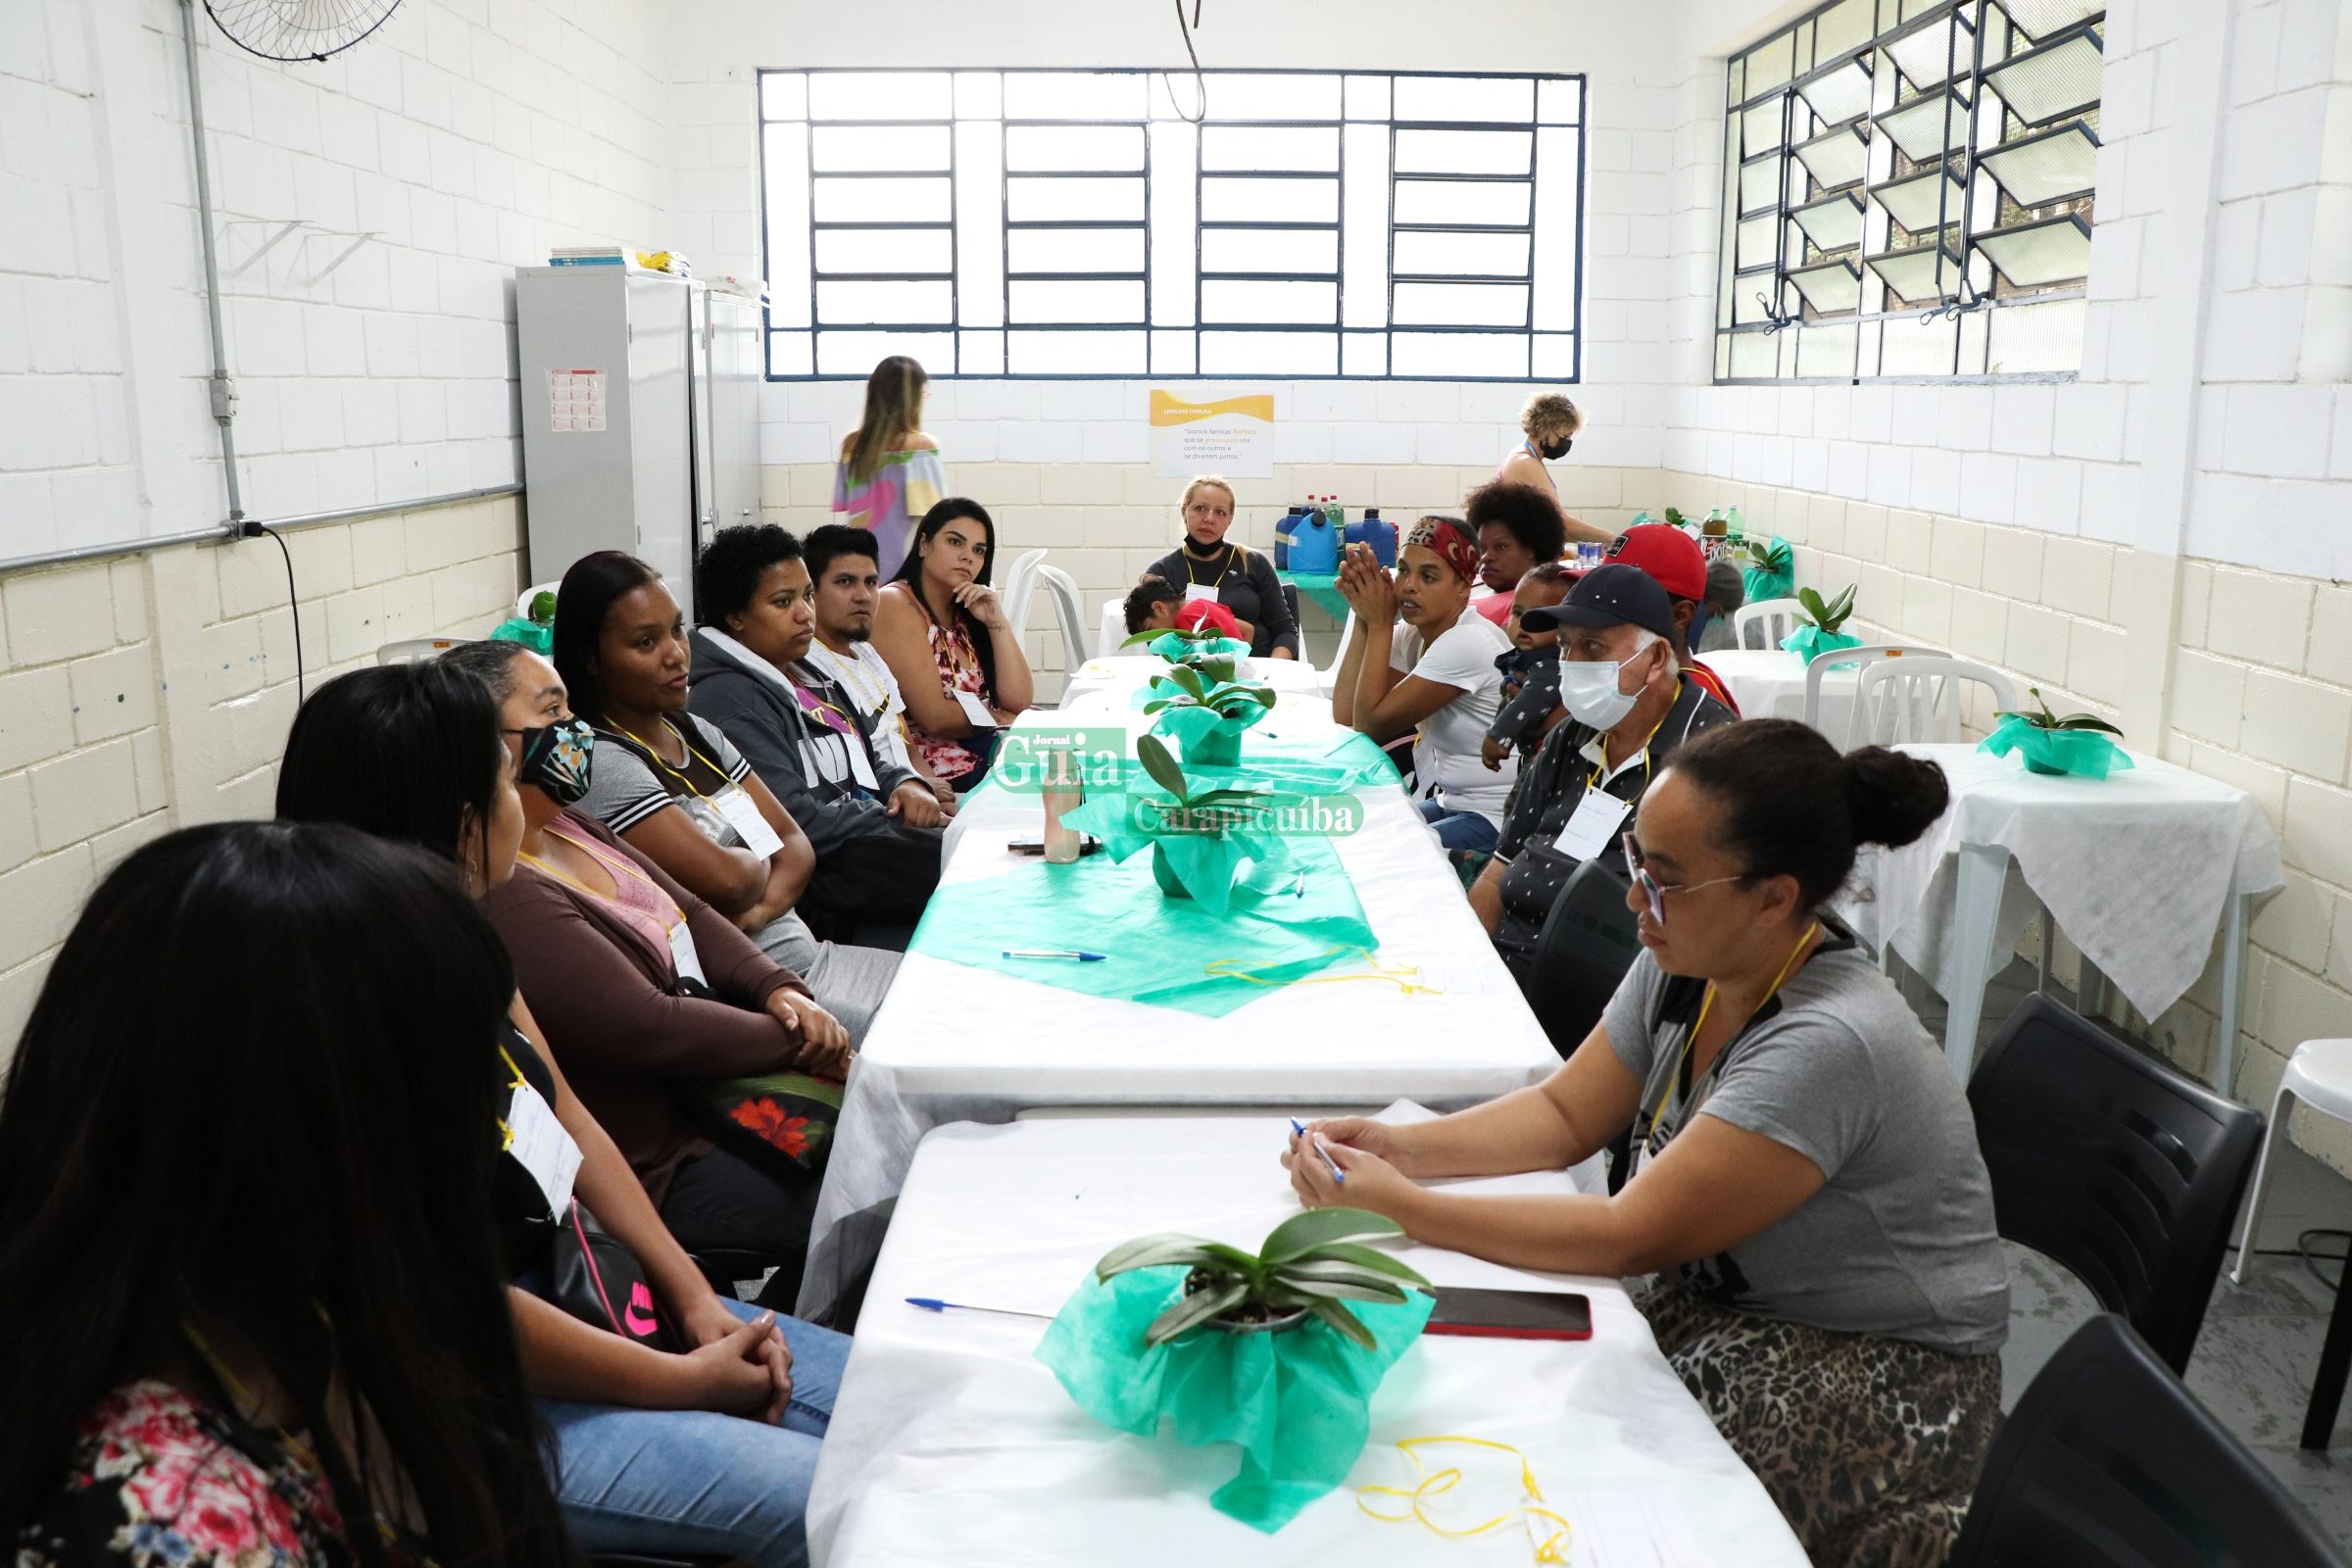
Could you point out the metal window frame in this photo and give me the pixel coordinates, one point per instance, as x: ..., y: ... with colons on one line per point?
x: 1975, y: 292
x: 1198, y: 327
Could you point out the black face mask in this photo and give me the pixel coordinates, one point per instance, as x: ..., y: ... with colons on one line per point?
x: 1554, y: 451
x: 556, y: 758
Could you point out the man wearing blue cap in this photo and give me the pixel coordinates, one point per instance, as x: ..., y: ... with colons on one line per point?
x: 1629, y: 706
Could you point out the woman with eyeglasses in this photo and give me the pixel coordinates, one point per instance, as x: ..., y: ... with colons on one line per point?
x: 1806, y: 1186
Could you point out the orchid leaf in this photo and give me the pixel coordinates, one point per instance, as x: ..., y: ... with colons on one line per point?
x: 1302, y: 1234
x: 1147, y: 1251
x: 1191, y: 1311
x: 1346, y: 1322
x: 1373, y: 1259
x: 2089, y: 721
x: 1161, y: 764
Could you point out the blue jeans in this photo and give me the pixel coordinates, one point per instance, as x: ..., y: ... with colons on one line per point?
x: 695, y: 1483
x: 1459, y: 830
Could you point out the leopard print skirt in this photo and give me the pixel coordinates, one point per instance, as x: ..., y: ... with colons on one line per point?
x: 1869, y: 1446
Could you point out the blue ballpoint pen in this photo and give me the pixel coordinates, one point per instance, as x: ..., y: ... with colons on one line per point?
x: 1337, y: 1174
x: 932, y: 1303
x: 1076, y: 954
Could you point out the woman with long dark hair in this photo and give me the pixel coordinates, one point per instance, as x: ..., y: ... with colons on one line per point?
x: 718, y: 1439
x: 257, y: 1307
x: 944, y: 635
x: 889, y: 473
x: 675, y: 787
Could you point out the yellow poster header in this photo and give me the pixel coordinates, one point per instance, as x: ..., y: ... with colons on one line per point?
x: 1168, y: 409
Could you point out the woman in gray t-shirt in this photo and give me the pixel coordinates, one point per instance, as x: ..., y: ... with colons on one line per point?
x: 1805, y: 1184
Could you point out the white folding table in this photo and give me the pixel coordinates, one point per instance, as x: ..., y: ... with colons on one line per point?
x: 949, y: 1438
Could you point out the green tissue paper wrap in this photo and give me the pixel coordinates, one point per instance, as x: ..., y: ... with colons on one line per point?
x: 1296, y: 1403
x: 2084, y: 753
x: 1276, y: 928
x: 1811, y: 642
x: 1206, y: 737
x: 539, y: 636
x: 1775, y: 578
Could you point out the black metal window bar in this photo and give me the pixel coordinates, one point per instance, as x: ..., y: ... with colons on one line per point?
x: 1413, y: 225
x: 1907, y: 192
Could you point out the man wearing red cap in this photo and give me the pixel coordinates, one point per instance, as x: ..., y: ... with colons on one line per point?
x: 1673, y: 559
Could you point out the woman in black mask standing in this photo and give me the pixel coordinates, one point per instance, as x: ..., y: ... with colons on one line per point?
x: 1547, y: 429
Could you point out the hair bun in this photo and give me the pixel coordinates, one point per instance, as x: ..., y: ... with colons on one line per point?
x: 1892, y: 797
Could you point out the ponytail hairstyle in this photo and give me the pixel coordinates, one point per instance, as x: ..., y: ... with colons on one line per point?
x: 893, y: 408
x: 1788, y: 805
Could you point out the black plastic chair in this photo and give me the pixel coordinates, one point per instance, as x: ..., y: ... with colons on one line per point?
x: 2109, y: 1462
x: 2116, y: 1165
x: 1587, y: 943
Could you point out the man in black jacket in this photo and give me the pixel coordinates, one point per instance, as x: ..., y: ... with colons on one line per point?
x: 875, y: 826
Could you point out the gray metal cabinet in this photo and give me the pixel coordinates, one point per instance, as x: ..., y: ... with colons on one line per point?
x: 640, y: 416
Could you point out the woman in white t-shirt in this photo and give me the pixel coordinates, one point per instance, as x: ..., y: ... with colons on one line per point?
x: 1421, y: 657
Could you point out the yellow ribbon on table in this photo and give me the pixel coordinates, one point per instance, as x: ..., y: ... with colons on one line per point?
x: 1403, y: 977
x: 1550, y: 1549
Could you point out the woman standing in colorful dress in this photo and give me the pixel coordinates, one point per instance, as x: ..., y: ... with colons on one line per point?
x: 889, y: 473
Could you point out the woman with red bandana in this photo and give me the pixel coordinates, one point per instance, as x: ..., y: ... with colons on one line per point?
x: 1420, y: 656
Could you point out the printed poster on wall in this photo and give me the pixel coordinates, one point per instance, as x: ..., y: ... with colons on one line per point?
x: 1229, y: 436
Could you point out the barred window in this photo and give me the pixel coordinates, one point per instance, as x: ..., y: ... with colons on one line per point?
x: 1907, y: 191
x: 1079, y: 224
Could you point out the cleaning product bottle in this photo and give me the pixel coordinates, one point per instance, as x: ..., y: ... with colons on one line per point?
x: 1315, y: 541
x: 1381, y: 536
x: 1282, y: 538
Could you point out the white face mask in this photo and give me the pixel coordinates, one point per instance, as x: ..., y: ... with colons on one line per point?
x: 1589, y: 690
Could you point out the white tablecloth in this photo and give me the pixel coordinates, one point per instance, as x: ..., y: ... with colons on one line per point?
x: 2136, y: 868
x: 953, y: 1043
x: 950, y: 1439
x: 1770, y: 683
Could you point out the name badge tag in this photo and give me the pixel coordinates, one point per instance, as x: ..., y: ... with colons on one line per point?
x: 976, y: 709
x: 743, y: 815
x: 1593, y: 827
x: 1193, y: 591
x: 689, y: 963
x: 542, y: 1146
x: 861, y: 766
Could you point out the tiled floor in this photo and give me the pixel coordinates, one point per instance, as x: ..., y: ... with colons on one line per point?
x: 2259, y: 1348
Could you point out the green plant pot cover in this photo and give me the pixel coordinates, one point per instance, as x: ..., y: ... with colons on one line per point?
x: 1776, y: 577
x: 536, y: 635
x: 2083, y: 753
x: 1297, y: 1405
x: 1206, y: 737
x: 1811, y: 642
x: 1177, y: 650
x: 1164, y: 872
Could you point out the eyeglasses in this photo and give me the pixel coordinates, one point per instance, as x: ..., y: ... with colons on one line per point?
x: 1655, y: 890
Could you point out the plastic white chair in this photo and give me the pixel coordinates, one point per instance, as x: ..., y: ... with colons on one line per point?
x: 1017, y: 586
x: 1868, y: 653
x: 416, y: 649
x: 1112, y: 631
x: 1069, y: 612
x: 1914, y: 699
x: 1772, y: 621
x: 1328, y: 675
x: 522, y: 600
x: 2319, y: 1075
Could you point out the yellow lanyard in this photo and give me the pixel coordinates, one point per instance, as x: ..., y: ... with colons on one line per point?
x: 1690, y: 1039
x: 1598, y: 769
x: 687, y: 747
x: 520, y: 1082
x: 1403, y: 977
x: 1551, y: 1548
x: 618, y: 868
x: 1223, y: 568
